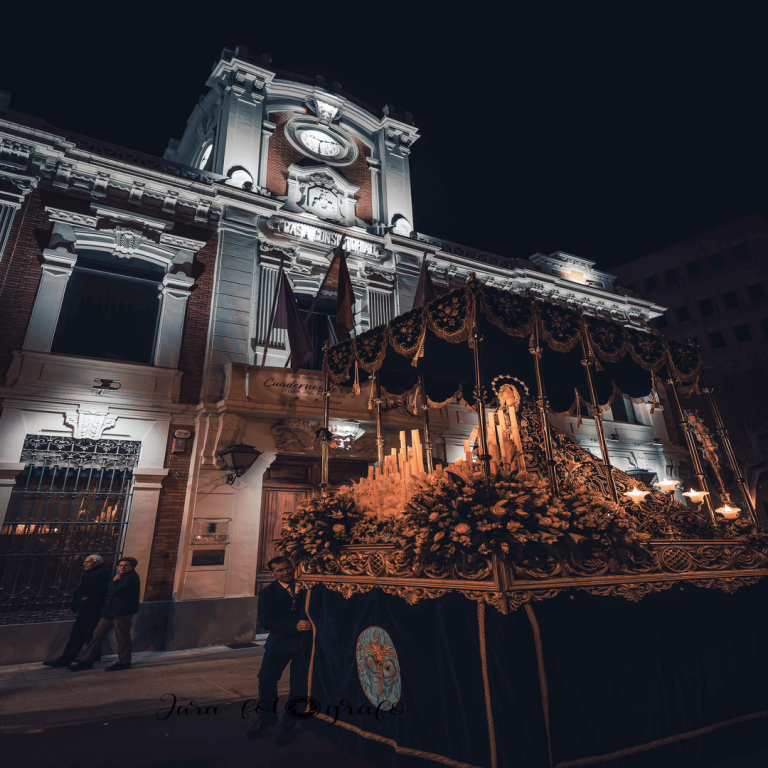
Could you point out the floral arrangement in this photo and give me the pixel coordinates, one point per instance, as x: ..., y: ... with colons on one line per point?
x: 594, y: 520
x: 457, y: 516
x: 318, y: 527
x: 450, y: 516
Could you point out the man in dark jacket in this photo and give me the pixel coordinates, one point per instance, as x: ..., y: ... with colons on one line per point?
x: 86, y: 605
x: 281, y: 612
x: 120, y: 605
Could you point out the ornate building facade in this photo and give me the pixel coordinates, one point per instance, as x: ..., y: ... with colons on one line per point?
x: 136, y: 295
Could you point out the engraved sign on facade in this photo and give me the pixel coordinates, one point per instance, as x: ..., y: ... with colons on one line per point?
x: 326, y: 236
x: 280, y: 386
x: 213, y: 531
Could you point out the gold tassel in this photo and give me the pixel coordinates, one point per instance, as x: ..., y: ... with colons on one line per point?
x: 654, y: 395
x: 356, y: 387
x: 420, y: 350
x: 578, y: 408
x: 370, y: 393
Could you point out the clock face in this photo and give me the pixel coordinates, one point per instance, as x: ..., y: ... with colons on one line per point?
x: 320, y: 143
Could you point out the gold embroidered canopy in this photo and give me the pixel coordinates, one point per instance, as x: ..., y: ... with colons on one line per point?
x: 426, y: 340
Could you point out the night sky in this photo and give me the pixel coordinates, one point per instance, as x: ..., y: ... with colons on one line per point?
x: 591, y: 129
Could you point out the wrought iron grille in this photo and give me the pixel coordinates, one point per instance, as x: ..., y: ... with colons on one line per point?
x: 71, y: 499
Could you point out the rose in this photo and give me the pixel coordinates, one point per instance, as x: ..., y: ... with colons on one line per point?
x: 462, y: 528
x: 338, y: 529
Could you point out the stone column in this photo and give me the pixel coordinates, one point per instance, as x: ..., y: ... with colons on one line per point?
x: 7, y: 212
x: 175, y: 293
x: 267, y: 129
x: 374, y: 166
x: 57, y: 268
x: 141, y: 523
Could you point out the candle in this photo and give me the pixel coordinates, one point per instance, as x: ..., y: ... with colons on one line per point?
x: 667, y: 486
x: 696, y: 496
x: 636, y: 495
x: 729, y: 513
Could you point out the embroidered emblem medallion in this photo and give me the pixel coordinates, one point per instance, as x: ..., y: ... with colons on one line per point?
x: 378, y: 668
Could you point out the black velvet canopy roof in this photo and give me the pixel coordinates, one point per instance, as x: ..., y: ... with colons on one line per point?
x: 433, y: 341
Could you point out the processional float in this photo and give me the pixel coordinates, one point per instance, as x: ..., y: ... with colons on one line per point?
x: 526, y: 516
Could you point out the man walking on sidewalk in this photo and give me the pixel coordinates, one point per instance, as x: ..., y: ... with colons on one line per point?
x: 120, y: 606
x: 86, y: 605
x: 280, y: 611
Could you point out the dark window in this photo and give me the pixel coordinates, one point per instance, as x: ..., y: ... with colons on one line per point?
x: 110, y: 309
x: 662, y: 322
x: 743, y: 333
x: 649, y: 283
x: 693, y: 268
x: 671, y: 277
x: 742, y: 253
x: 716, y: 339
x: 618, y: 409
x: 630, y: 287
x: 321, y: 327
x: 764, y: 324
x: 208, y: 557
x: 706, y: 307
x: 683, y: 313
x: 756, y: 291
x: 731, y: 300
x: 716, y: 260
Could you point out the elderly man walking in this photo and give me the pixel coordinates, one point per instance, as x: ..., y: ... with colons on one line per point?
x: 120, y: 606
x: 87, y: 603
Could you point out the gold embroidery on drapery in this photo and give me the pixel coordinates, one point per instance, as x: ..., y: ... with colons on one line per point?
x: 338, y: 359
x: 685, y: 361
x: 560, y: 326
x: 457, y: 394
x: 450, y: 316
x: 407, y: 332
x: 608, y: 340
x: 646, y: 349
x: 371, y: 348
x: 511, y: 312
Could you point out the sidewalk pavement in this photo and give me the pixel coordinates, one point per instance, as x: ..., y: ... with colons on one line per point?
x: 33, y: 696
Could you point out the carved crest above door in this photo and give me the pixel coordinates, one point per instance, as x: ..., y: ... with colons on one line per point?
x: 299, y: 436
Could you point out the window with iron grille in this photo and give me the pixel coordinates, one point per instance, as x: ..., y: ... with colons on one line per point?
x: 72, y: 499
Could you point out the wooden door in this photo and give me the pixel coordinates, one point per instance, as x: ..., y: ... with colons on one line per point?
x: 287, y: 481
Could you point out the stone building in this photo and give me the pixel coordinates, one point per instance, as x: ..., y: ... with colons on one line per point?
x: 715, y: 287
x: 135, y: 295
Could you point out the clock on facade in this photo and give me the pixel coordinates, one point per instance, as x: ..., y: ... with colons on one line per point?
x: 320, y: 143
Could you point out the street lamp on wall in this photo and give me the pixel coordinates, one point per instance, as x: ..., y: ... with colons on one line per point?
x: 239, y: 459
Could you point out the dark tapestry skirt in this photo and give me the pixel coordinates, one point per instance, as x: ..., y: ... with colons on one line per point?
x: 679, y: 678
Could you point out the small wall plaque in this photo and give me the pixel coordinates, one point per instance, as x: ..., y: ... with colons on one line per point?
x: 211, y: 531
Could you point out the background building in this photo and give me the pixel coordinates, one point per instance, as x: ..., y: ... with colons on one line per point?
x: 135, y: 295
x: 715, y: 287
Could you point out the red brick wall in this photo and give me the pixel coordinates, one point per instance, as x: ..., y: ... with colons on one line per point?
x: 21, y: 266
x: 195, y: 338
x: 20, y: 272
x: 170, y: 511
x: 282, y: 154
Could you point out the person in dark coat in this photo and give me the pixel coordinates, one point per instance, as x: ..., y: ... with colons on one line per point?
x: 120, y: 605
x: 281, y: 612
x: 86, y: 605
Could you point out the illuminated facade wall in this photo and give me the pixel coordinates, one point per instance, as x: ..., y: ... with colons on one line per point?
x: 272, y: 168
